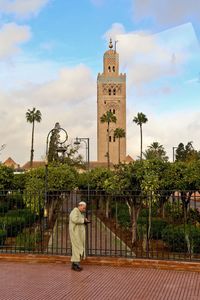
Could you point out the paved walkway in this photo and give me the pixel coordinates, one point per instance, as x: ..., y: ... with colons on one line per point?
x: 25, y: 281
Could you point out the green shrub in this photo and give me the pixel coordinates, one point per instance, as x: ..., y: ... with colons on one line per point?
x: 124, y: 219
x: 193, y: 216
x: 145, y: 211
x: 174, y: 212
x: 3, y: 207
x: 28, y: 240
x: 25, y: 213
x: 194, y: 237
x: 123, y: 216
x: 15, y: 200
x: 182, y: 238
x: 3, y: 234
x: 174, y: 237
x: 157, y: 226
x: 12, y: 224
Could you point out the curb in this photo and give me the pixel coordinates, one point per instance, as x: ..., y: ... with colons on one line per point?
x: 104, y: 261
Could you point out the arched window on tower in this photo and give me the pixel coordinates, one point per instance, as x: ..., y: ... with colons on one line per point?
x: 110, y: 138
x: 109, y: 92
x: 114, y: 111
x: 113, y: 68
x: 109, y: 69
x: 114, y: 91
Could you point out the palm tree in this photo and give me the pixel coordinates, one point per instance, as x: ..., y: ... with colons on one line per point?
x: 155, y: 150
x: 33, y: 116
x: 119, y: 133
x: 139, y: 120
x: 108, y: 118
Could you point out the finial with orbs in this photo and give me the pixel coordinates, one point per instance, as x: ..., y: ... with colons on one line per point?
x: 110, y: 44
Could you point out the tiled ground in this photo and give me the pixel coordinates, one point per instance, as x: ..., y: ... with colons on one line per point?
x: 24, y: 281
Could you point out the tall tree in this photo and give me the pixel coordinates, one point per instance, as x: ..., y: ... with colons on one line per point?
x: 119, y: 133
x: 140, y: 119
x: 155, y: 150
x: 108, y: 118
x: 187, y: 153
x: 33, y: 116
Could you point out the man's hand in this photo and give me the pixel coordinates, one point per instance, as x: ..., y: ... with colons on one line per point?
x: 86, y: 221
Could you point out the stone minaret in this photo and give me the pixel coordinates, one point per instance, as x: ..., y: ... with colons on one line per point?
x: 111, y: 96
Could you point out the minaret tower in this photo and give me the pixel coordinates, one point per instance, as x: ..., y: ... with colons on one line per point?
x: 111, y: 96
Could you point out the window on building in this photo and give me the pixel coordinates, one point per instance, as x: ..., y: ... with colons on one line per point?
x: 113, y: 68
x: 109, y: 69
x: 110, y: 138
x: 113, y: 138
x: 113, y: 111
x: 109, y: 92
x: 114, y: 92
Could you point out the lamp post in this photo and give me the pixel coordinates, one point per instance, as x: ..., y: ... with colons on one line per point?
x: 87, y: 144
x: 60, y: 149
x: 173, y: 149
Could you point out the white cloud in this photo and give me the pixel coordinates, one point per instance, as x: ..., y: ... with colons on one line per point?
x: 68, y: 95
x: 22, y: 8
x: 11, y: 36
x: 168, y: 129
x: 142, y: 56
x: 72, y: 86
x: 114, y: 31
x: 167, y: 12
x: 70, y: 99
x: 149, y: 58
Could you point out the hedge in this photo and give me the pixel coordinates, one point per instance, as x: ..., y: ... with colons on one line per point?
x: 157, y: 226
x: 3, y: 234
x: 12, y: 224
x: 28, y: 240
x: 182, y: 238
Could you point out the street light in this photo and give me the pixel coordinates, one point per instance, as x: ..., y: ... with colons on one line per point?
x: 87, y: 144
x: 173, y: 149
x: 60, y: 149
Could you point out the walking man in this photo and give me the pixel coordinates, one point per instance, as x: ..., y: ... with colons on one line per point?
x: 77, y: 223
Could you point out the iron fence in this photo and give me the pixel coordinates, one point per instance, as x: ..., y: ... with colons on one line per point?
x: 159, y: 225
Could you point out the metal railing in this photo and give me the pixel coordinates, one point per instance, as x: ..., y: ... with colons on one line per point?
x: 159, y: 225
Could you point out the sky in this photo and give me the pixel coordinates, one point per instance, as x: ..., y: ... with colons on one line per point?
x: 52, y: 50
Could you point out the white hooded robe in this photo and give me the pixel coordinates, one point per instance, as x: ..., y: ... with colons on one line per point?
x: 77, y: 234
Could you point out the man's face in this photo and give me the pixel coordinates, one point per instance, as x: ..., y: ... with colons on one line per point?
x: 82, y: 208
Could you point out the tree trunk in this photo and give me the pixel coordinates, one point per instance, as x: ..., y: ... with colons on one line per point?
x: 108, y: 153
x: 134, y: 213
x: 119, y: 151
x: 32, y: 141
x: 107, y: 208
x: 140, y: 142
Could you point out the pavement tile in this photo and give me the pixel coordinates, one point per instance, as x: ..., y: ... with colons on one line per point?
x: 31, y: 281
